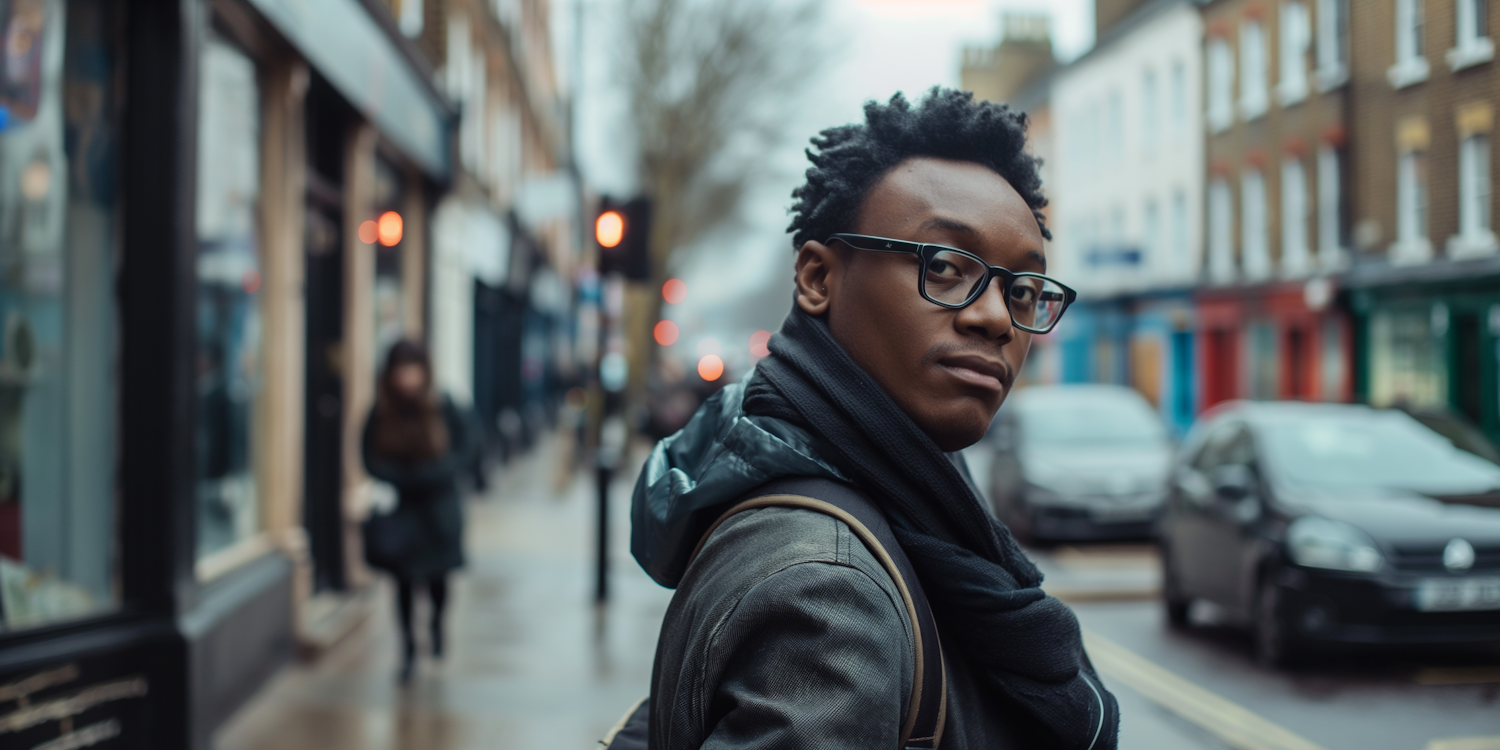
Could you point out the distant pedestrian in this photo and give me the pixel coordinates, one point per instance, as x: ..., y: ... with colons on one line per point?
x: 919, y: 284
x: 420, y: 442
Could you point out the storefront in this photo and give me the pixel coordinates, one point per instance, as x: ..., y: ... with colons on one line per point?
x: 1286, y: 341
x: 1429, y: 338
x: 184, y: 291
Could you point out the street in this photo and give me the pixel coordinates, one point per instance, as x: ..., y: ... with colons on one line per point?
x: 533, y: 664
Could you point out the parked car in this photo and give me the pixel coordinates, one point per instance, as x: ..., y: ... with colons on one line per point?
x: 1317, y: 524
x: 1076, y: 462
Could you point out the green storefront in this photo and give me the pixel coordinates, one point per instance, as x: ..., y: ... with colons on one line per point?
x: 1429, y: 336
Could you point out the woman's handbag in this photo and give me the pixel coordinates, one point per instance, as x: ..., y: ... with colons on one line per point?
x: 387, y: 538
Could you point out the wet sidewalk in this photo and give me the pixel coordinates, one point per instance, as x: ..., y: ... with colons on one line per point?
x: 531, y: 663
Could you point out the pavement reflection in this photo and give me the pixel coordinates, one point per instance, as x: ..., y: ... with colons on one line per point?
x: 531, y: 663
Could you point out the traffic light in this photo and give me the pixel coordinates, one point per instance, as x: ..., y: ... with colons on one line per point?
x: 623, y: 231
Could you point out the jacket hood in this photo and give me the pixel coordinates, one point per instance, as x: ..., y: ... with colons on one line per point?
x: 695, y: 475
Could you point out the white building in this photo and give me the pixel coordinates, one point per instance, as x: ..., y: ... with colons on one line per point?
x: 1129, y: 162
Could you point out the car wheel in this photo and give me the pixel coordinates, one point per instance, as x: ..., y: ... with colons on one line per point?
x: 1275, y: 644
x: 1172, y: 596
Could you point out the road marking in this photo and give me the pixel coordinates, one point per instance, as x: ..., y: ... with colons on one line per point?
x: 1465, y: 743
x: 1236, y: 725
x: 1456, y: 675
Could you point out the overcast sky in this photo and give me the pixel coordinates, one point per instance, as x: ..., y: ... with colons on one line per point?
x: 878, y: 47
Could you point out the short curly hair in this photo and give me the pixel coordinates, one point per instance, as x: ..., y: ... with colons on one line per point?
x: 947, y: 124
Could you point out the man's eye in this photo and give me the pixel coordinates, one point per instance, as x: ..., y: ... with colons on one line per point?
x: 942, y: 268
x: 1022, y: 293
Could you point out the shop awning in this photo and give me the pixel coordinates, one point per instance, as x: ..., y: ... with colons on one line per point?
x: 351, y: 50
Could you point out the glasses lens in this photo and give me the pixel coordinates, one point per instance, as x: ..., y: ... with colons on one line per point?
x: 951, y: 278
x: 1036, y: 302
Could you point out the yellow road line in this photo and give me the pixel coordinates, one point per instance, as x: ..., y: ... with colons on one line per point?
x: 1465, y: 743
x: 1236, y: 725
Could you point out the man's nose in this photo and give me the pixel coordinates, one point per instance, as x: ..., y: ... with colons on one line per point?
x: 988, y: 315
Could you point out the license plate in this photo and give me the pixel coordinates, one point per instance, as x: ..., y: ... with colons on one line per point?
x: 1458, y: 594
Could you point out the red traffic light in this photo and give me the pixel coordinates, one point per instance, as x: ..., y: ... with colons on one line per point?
x: 609, y: 229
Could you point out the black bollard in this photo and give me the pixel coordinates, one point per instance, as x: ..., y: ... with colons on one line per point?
x: 601, y: 589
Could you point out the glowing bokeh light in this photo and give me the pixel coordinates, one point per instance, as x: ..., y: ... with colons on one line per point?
x: 389, y: 228
x: 609, y: 230
x: 250, y: 281
x: 674, y: 291
x: 758, y: 344
x: 369, y: 232
x: 666, y: 333
x: 710, y: 368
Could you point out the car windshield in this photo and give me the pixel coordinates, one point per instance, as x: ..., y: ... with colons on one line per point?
x: 1071, y: 421
x: 1373, y: 448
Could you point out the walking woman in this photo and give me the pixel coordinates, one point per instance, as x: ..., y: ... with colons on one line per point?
x: 420, y: 442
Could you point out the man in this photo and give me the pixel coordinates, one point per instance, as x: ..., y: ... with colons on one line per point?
x: 919, y: 283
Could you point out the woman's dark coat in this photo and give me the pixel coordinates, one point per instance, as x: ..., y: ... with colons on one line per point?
x: 428, y: 497
x: 785, y: 632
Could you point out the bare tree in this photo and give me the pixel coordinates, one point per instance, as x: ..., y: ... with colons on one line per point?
x: 710, y: 83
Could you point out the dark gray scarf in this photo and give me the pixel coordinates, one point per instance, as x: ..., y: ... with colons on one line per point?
x: 1025, y: 645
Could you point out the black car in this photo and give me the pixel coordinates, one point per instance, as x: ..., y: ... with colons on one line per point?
x: 1332, y: 524
x: 1075, y: 462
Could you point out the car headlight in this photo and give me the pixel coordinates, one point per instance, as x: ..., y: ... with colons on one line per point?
x: 1321, y: 543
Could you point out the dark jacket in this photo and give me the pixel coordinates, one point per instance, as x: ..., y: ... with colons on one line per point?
x: 785, y: 632
x: 429, y: 498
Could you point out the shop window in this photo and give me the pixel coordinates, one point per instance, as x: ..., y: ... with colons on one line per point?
x: 1220, y: 114
x: 229, y: 280
x: 1254, y: 244
x: 1294, y: 33
x: 1475, y: 230
x: 1411, y: 53
x: 1330, y: 229
x: 1471, y: 44
x: 1331, y: 366
x: 1333, y: 44
x: 1220, y: 231
x: 1254, y: 78
x: 1264, y: 364
x: 1412, y: 244
x: 1406, y: 363
x: 1295, y: 259
x: 58, y: 347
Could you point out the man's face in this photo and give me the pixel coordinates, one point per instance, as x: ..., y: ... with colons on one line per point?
x: 949, y: 370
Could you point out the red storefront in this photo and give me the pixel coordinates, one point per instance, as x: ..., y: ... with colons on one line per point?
x: 1285, y: 341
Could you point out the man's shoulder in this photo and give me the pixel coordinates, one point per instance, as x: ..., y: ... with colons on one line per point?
x: 772, y: 548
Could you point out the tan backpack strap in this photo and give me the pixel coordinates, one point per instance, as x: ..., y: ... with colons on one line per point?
x: 881, y: 554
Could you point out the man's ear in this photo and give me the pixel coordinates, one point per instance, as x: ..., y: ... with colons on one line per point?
x: 818, y: 268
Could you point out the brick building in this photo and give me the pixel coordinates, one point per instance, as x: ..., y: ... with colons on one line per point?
x: 1276, y: 97
x: 1427, y: 278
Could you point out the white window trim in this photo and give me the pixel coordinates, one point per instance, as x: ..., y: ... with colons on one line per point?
x: 1255, y: 240
x: 1472, y: 241
x: 1410, y: 68
x: 1477, y: 51
x: 1410, y: 247
x: 1294, y: 234
x: 1292, y: 87
x: 1330, y: 251
x: 1332, y: 67
x: 1254, y: 100
x: 1219, y: 114
x: 1471, y: 46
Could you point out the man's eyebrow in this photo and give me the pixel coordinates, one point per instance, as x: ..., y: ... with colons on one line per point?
x: 1038, y: 258
x: 951, y: 225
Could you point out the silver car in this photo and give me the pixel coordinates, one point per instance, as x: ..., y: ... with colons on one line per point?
x: 1076, y: 462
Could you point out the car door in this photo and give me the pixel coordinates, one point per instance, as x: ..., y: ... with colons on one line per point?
x: 1210, y: 535
x: 1236, y: 517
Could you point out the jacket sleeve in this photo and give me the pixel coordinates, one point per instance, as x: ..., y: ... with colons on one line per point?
x: 430, y: 474
x: 815, y: 656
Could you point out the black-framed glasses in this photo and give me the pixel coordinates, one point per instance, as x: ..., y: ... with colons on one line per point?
x: 954, y: 278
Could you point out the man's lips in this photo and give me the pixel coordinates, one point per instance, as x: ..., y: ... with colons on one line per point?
x: 976, y: 370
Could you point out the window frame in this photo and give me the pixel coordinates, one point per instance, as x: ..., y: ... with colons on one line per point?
x: 1255, y: 73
